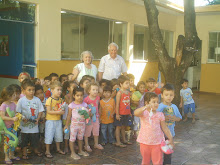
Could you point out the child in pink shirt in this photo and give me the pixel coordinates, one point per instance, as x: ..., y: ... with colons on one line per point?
x: 93, y: 100
x: 151, y: 132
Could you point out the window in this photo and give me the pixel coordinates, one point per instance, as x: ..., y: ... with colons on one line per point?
x: 143, y: 46
x: 81, y: 32
x: 214, y: 47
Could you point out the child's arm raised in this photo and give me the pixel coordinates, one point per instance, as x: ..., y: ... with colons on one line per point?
x: 167, y: 132
x: 139, y: 112
x: 68, y: 118
x: 118, y: 98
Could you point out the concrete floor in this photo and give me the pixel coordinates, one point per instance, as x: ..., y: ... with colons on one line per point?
x: 197, y: 143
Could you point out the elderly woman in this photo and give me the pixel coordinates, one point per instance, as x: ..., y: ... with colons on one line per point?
x: 85, y: 68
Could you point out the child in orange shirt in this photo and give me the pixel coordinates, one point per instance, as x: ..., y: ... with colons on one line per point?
x: 106, y: 112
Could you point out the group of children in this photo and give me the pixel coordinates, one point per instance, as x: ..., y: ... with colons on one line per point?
x: 67, y: 110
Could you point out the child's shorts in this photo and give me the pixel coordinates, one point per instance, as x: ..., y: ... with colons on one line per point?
x: 32, y: 138
x: 189, y: 108
x: 53, y: 129
x: 77, y: 129
x: 93, y: 128
x: 123, y: 122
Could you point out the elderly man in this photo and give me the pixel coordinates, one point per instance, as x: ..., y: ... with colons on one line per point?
x: 112, y: 65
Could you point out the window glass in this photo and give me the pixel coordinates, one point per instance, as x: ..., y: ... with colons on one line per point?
x: 214, y: 47
x: 80, y: 32
x: 143, y: 46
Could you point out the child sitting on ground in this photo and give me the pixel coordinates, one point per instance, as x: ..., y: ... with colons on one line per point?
x: 187, y: 99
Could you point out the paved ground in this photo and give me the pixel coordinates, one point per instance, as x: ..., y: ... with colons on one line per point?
x: 197, y: 143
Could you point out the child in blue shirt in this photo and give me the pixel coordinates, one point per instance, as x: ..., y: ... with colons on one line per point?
x: 171, y: 113
x: 187, y: 100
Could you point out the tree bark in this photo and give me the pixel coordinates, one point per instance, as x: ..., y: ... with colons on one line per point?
x: 174, y: 69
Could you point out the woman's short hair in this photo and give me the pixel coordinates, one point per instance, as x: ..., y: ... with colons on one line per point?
x: 86, y: 52
x: 112, y: 44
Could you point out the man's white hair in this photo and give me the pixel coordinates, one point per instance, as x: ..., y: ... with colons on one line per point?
x: 112, y: 44
x: 86, y: 52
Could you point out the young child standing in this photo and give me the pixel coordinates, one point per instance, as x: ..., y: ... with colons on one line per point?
x: 7, y: 98
x: 22, y: 76
x: 53, y: 126
x: 77, y: 126
x: 67, y: 92
x: 170, y: 111
x: 123, y: 111
x: 152, y: 130
x: 187, y: 99
x: 141, y: 86
x: 106, y: 112
x: 39, y: 92
x: 93, y: 100
x: 31, y: 108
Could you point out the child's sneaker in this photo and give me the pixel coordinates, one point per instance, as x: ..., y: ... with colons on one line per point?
x: 99, y: 146
x: 88, y: 149
x: 83, y: 153
x: 193, y: 121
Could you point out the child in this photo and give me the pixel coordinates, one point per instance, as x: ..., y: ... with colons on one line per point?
x: 93, y: 100
x: 77, y: 127
x: 84, y: 82
x: 141, y: 86
x: 31, y: 108
x: 152, y: 86
x: 47, y: 83
x: 37, y: 81
x: 17, y: 90
x: 53, y: 77
x: 53, y: 126
x: 106, y: 112
x: 22, y: 76
x: 63, y: 78
x: 40, y: 94
x: 68, y: 86
x: 102, y: 84
x: 115, y: 87
x: 70, y: 77
x: 170, y: 111
x: 152, y: 131
x: 7, y: 98
x: 123, y: 111
x: 132, y: 86
x: 186, y: 98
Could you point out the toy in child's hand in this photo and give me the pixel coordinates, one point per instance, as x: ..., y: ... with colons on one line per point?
x: 92, y: 109
x: 84, y: 112
x: 62, y: 106
x: 66, y: 131
x: 166, y: 147
x: 136, y: 96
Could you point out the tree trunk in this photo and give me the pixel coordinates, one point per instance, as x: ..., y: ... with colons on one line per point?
x: 174, y: 69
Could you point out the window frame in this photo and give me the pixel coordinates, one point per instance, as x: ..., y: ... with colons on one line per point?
x: 218, y: 45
